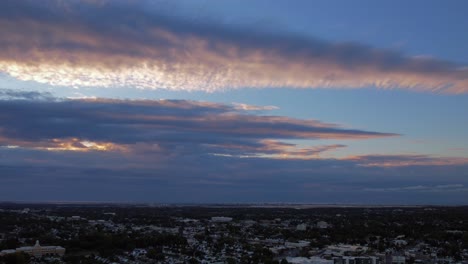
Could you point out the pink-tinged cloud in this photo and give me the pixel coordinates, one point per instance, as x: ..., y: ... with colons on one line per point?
x: 64, y: 44
x: 406, y: 160
x: 274, y: 149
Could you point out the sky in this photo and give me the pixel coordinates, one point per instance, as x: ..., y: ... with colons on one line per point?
x: 326, y: 102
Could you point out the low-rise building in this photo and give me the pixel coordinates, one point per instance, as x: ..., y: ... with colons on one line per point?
x: 356, y: 260
x: 36, y: 251
x: 398, y: 260
x: 301, y: 227
x: 311, y: 260
x: 323, y: 225
x: 221, y: 219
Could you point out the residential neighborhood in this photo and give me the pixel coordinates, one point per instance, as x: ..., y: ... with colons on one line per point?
x: 232, y: 234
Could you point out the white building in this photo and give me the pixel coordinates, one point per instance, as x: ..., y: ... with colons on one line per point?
x: 398, y: 260
x: 221, y: 219
x: 342, y: 250
x: 311, y: 260
x: 37, y: 250
x: 350, y: 260
x: 400, y: 242
x: 301, y: 227
x: 299, y: 244
x: 323, y: 225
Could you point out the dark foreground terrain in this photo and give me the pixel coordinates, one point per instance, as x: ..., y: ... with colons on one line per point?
x: 99, y: 233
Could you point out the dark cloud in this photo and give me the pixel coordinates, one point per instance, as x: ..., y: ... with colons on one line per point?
x: 180, y: 151
x: 9, y: 94
x: 163, y: 125
x: 127, y: 43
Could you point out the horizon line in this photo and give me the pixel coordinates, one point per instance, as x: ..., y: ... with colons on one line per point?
x: 229, y: 204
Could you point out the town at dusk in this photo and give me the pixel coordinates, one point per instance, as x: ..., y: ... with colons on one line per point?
x: 236, y: 131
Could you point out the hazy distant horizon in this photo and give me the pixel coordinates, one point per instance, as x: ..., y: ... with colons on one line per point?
x: 233, y: 204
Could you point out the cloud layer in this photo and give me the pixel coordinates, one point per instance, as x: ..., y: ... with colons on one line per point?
x: 159, y: 177
x: 126, y: 43
x: 406, y: 160
x: 174, y: 126
x: 423, y: 188
x: 189, y: 151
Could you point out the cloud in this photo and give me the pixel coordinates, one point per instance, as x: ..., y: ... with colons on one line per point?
x: 151, y: 150
x: 8, y: 94
x: 403, y: 160
x: 167, y: 126
x: 423, y: 188
x: 68, y: 144
x: 247, y: 107
x: 160, y: 177
x: 276, y: 149
x: 126, y: 43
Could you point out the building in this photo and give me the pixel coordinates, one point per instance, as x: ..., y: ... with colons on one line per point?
x: 301, y: 227
x: 299, y: 244
x: 311, y: 260
x: 343, y: 250
x: 323, y: 225
x: 36, y: 251
x: 356, y: 260
x: 400, y: 242
x: 221, y: 219
x: 398, y: 260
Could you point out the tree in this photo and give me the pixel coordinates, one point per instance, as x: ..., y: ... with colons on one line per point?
x: 17, y: 258
x: 155, y: 254
x: 9, y: 243
x: 193, y: 261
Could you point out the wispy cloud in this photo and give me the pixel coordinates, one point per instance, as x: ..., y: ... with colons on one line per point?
x: 247, y: 107
x: 8, y: 94
x: 404, y: 160
x: 423, y: 188
x: 124, y: 43
x: 276, y: 149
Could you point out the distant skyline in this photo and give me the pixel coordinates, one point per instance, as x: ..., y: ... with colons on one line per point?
x: 234, y: 102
